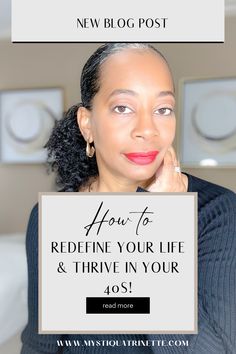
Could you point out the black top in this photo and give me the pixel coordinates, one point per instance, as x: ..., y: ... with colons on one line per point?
x: 216, y: 289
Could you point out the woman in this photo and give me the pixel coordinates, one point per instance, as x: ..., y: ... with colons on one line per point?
x: 119, y: 139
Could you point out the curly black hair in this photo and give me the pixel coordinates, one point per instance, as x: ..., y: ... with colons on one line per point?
x: 66, y: 153
x: 66, y: 146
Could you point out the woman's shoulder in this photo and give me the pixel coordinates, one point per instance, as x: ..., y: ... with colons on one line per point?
x: 32, y: 230
x: 34, y: 211
x: 209, y: 191
x: 33, y: 218
x: 216, y: 207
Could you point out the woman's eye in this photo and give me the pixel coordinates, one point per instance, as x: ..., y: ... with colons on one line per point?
x: 122, y: 109
x: 164, y: 111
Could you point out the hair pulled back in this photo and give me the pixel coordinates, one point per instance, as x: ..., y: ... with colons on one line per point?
x: 66, y: 146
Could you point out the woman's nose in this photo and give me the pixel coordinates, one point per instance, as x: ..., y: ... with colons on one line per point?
x: 145, y: 127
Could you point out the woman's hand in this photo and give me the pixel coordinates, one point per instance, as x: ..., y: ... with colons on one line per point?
x: 167, y: 179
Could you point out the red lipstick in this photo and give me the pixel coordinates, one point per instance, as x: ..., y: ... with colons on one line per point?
x: 142, y: 158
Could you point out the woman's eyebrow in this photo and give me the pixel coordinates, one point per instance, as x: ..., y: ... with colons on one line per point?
x: 166, y: 93
x: 133, y: 93
x: 123, y: 91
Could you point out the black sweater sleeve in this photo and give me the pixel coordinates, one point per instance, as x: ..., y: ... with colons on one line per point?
x: 217, y: 268
x: 34, y: 343
x: 216, y: 273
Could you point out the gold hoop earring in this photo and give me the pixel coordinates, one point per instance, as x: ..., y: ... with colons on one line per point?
x: 90, y: 150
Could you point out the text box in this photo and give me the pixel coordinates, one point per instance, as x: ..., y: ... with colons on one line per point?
x: 109, y: 245
x: 118, y: 21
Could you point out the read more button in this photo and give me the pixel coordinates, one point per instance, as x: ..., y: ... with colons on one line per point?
x: 117, y: 305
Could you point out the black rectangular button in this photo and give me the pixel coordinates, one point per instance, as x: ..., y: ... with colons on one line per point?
x: 117, y: 305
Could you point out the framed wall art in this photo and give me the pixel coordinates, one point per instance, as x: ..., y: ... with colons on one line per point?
x: 207, y: 129
x: 27, y: 117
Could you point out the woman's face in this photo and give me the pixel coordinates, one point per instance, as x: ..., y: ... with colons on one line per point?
x: 132, y: 122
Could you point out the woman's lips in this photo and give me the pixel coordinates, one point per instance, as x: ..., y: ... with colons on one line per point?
x: 142, y: 158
